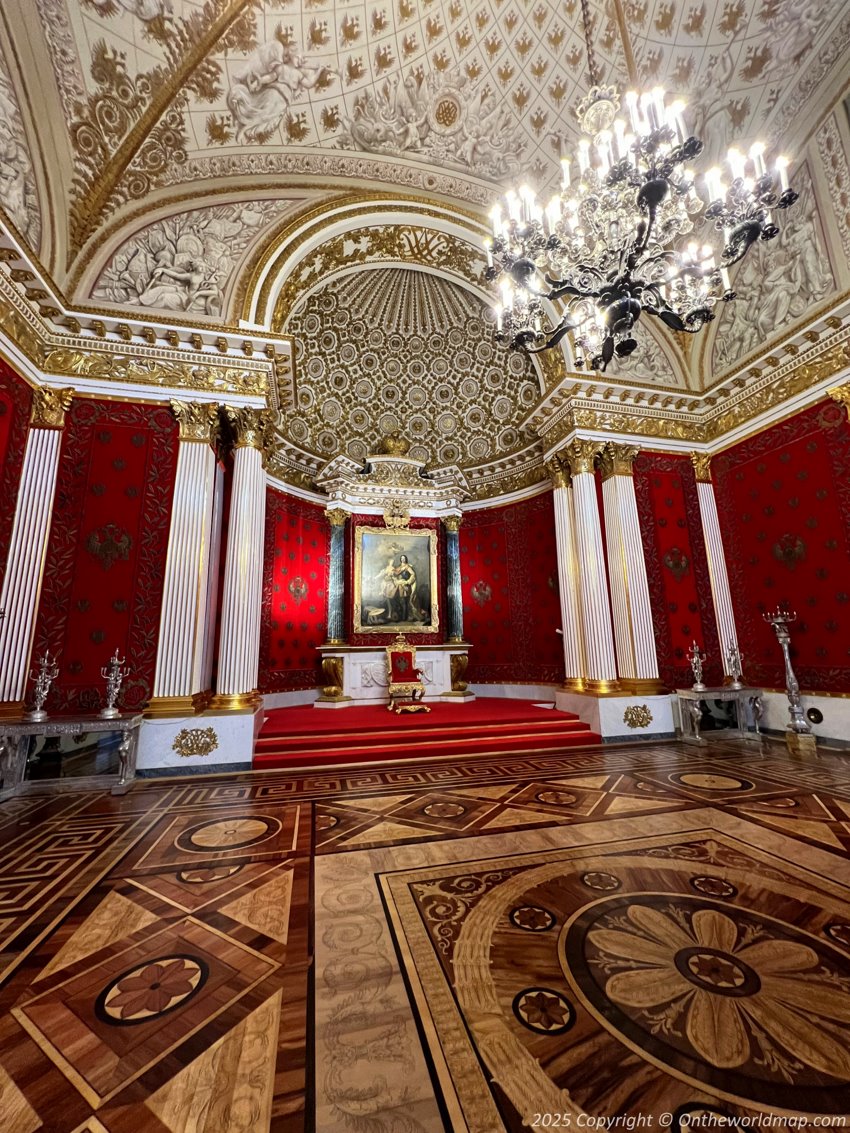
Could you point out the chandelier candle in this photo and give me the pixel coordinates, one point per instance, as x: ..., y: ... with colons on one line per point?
x: 620, y: 239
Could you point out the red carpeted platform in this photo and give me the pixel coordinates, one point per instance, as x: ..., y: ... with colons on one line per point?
x: 307, y: 735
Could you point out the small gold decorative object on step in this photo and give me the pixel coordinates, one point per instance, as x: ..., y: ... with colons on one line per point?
x: 195, y: 741
x: 637, y: 716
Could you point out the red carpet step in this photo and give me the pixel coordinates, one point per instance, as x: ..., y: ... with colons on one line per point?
x: 306, y: 735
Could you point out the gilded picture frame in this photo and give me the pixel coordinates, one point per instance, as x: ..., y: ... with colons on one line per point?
x: 395, y: 581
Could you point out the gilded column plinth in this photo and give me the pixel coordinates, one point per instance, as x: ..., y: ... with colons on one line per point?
x: 721, y: 594
x: 28, y: 545
x: 180, y: 679
x: 568, y: 575
x: 337, y: 518
x: 239, y: 641
x: 454, y: 596
x: 600, y: 661
x: 634, y: 633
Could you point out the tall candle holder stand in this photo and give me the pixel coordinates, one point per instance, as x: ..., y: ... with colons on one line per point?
x: 44, y: 677
x: 798, y: 732
x: 114, y: 674
x: 736, y: 672
x: 696, y: 657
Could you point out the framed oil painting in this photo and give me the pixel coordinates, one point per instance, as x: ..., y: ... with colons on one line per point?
x: 395, y: 581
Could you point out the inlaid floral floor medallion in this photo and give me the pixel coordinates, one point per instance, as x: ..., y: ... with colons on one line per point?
x: 654, y: 975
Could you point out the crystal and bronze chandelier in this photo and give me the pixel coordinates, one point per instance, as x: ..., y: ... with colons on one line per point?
x: 627, y: 235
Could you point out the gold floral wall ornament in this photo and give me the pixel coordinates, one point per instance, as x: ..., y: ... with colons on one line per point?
x: 397, y: 516
x: 198, y: 421
x: 195, y: 741
x: 49, y: 406
x: 702, y: 467
x: 637, y: 716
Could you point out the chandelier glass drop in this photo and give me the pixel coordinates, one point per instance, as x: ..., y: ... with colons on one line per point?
x: 628, y: 234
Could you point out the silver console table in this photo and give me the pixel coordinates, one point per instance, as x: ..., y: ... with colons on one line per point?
x: 748, y: 711
x: 14, y: 745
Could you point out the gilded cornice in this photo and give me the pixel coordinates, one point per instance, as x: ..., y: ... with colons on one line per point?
x: 49, y: 406
x: 197, y: 420
x: 702, y: 467
x: 617, y: 459
x: 841, y: 394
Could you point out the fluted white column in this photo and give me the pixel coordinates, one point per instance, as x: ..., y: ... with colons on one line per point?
x: 721, y: 594
x: 179, y: 679
x: 28, y: 546
x: 568, y: 577
x: 239, y: 642
x: 600, y: 661
x: 634, y: 634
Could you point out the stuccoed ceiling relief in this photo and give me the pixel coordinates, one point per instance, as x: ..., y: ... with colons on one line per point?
x: 374, y: 356
x: 17, y: 180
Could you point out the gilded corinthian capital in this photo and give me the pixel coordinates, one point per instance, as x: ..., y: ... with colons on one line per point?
x: 49, y: 406
x: 702, y: 467
x: 336, y: 516
x: 580, y: 454
x: 198, y: 420
x: 251, y: 427
x: 452, y: 522
x: 617, y: 460
x: 841, y: 394
x: 558, y: 473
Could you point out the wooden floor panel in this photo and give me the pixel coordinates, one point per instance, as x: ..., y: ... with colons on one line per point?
x: 343, y: 950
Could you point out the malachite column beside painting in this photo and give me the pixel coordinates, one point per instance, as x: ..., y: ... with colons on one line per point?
x: 454, y: 597
x: 28, y: 545
x: 337, y: 518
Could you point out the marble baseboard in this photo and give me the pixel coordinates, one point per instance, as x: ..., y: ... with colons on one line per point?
x: 605, y: 714
x: 206, y: 769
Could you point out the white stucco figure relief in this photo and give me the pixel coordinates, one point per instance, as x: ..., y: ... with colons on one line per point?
x: 777, y: 282
x: 440, y: 118
x: 184, y: 263
x: 262, y: 90
x: 648, y: 363
x: 17, y: 180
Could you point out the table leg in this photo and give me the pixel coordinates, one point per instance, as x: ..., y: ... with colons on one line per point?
x: 126, y: 760
x: 12, y: 764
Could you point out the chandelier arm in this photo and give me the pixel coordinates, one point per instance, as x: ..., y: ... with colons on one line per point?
x: 561, y: 331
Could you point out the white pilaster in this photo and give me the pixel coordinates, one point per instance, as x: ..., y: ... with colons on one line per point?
x: 634, y: 634
x: 239, y: 643
x: 568, y: 576
x: 600, y: 661
x: 721, y: 595
x: 28, y: 546
x: 185, y: 604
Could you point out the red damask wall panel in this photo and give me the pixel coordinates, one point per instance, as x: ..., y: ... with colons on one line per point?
x: 511, y: 607
x: 676, y: 566
x: 784, y: 503
x: 106, y: 556
x: 15, y: 404
x: 295, y: 590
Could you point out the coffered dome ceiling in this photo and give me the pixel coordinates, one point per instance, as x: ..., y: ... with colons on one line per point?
x: 391, y: 349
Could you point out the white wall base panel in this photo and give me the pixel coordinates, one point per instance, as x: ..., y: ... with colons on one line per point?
x: 835, y: 709
x: 545, y: 694
x: 604, y: 714
x: 289, y: 699
x: 236, y: 733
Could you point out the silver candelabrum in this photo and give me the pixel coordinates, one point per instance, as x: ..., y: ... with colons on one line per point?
x: 696, y: 658
x: 780, y: 619
x: 113, y: 674
x: 736, y: 672
x: 46, y: 674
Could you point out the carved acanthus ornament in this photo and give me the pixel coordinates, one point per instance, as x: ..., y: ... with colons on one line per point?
x: 452, y: 522
x: 336, y: 516
x: 559, y: 474
x: 195, y: 741
x: 459, y: 663
x: 333, y: 669
x: 152, y: 371
x: 396, y: 516
x: 702, y: 467
x: 580, y: 454
x: 251, y: 428
x: 49, y: 406
x: 197, y: 420
x: 617, y: 459
x: 841, y: 394
x: 637, y: 716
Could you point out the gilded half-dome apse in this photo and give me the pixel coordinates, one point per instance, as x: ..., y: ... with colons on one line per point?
x: 394, y: 349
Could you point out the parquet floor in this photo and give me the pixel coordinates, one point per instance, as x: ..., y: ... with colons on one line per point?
x: 651, y: 929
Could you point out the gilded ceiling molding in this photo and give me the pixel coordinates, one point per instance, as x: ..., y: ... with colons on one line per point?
x: 49, y: 406
x: 617, y: 459
x: 841, y: 394
x: 702, y: 467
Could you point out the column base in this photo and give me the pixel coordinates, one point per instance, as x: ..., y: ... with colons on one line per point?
x: 574, y: 684
x: 335, y: 641
x: 162, y: 706
x: 645, y: 686
x: 604, y: 688
x: 621, y: 716
x: 234, y: 702
x: 11, y: 709
x: 801, y: 743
